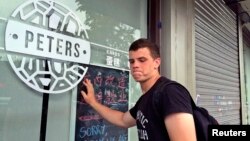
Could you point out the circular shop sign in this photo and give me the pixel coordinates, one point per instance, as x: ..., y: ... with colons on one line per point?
x: 47, y: 46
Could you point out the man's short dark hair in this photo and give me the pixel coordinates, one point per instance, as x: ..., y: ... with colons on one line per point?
x: 145, y: 43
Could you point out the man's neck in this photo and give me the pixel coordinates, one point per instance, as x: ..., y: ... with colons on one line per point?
x: 145, y: 86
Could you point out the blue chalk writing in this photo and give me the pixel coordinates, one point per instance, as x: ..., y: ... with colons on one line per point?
x: 92, y: 131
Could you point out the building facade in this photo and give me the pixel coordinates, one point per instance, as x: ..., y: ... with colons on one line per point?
x: 48, y: 47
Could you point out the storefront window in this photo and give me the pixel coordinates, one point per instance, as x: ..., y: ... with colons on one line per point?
x: 47, y: 47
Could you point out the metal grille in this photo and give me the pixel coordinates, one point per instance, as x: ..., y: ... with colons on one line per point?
x: 217, y: 60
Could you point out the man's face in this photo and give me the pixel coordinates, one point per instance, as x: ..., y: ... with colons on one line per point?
x: 142, y: 65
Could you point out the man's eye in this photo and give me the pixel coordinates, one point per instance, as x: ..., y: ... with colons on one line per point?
x: 142, y: 60
x: 131, y: 61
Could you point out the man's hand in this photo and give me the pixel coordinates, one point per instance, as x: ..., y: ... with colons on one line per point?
x: 89, y: 97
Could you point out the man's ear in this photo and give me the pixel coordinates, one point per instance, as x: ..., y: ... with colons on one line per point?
x: 157, y: 62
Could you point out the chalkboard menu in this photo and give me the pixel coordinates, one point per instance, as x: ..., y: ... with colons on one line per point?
x: 111, y: 89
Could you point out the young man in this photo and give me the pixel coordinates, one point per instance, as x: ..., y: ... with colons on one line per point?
x: 175, y: 121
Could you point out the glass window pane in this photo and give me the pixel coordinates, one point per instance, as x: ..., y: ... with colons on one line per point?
x: 47, y: 47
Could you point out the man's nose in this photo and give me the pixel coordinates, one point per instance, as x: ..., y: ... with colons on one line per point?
x: 134, y: 64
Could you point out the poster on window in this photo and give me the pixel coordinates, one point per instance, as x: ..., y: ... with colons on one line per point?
x: 111, y: 89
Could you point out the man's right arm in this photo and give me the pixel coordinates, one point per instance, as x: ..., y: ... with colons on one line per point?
x: 115, y: 117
